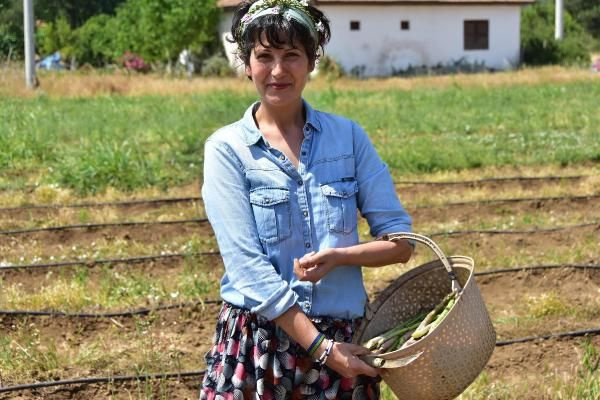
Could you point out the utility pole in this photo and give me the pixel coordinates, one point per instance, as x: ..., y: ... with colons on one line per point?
x: 30, y: 79
x: 558, y: 20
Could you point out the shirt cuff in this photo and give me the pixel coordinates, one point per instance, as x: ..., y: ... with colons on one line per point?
x: 276, y: 304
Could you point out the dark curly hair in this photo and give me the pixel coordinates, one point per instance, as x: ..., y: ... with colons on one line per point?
x: 279, y: 32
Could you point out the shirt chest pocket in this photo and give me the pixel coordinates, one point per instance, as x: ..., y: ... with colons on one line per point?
x: 340, y: 198
x: 271, y: 207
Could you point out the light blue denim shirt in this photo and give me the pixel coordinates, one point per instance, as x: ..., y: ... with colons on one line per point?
x: 265, y: 212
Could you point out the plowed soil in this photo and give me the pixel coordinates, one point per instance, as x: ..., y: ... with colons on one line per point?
x: 508, y: 296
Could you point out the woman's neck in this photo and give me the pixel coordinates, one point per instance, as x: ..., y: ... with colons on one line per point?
x: 286, y: 119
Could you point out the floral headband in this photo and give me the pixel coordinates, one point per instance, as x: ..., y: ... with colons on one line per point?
x: 290, y: 9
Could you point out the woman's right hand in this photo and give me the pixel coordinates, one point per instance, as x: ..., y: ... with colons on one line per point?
x: 344, y: 359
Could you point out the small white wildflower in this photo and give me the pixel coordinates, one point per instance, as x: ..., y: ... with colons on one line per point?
x: 174, y: 295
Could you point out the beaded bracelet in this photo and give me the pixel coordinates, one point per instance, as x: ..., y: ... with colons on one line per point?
x: 315, y: 344
x: 323, y: 359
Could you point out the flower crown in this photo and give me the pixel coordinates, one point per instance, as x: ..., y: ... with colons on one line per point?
x: 290, y: 9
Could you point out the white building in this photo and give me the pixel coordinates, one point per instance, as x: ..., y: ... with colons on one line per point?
x: 379, y: 37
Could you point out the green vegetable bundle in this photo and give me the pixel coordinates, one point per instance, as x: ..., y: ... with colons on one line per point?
x: 413, y: 329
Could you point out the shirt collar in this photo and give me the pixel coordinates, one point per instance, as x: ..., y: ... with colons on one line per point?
x: 252, y: 134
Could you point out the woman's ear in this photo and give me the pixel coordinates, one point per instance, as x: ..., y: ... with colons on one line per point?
x: 248, y: 71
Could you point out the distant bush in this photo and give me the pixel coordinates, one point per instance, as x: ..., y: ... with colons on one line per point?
x: 94, y: 41
x: 217, y: 65
x: 537, y: 38
x: 56, y: 36
x: 330, y: 68
x: 460, y: 66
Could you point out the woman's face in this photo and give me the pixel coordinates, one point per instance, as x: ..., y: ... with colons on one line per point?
x: 279, y: 74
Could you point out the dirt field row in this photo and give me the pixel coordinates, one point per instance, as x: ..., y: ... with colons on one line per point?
x: 521, y: 304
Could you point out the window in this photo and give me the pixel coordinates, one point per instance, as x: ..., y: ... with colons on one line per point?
x: 405, y: 25
x: 354, y: 25
x: 476, y: 35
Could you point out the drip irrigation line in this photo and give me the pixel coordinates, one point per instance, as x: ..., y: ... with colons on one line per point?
x: 143, y: 311
x: 179, y: 375
x: 102, y: 225
x: 200, y: 220
x: 124, y: 203
x: 128, y: 260
x: 127, y: 313
x: 537, y: 267
x: 594, y: 331
x: 510, y: 200
x: 105, y: 379
x: 513, y: 231
x: 140, y: 259
x: 488, y: 180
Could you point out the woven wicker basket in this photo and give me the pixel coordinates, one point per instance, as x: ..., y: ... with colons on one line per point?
x: 442, y: 364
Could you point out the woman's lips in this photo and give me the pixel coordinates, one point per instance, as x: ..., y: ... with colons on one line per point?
x: 279, y: 86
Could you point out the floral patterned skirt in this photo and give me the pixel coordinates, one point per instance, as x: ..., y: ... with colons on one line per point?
x: 253, y: 359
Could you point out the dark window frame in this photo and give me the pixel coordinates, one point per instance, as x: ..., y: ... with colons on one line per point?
x: 476, y: 34
x: 405, y: 25
x: 355, y: 25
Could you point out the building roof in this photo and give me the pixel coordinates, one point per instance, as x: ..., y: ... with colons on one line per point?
x: 233, y: 3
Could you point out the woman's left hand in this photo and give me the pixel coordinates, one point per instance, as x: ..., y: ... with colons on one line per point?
x: 314, y: 266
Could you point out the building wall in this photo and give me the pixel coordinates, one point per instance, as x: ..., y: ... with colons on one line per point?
x: 435, y: 36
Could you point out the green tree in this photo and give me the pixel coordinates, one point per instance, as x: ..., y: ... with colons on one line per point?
x: 11, y: 28
x: 94, y: 42
x: 587, y: 13
x: 537, y: 38
x: 159, y: 29
x: 76, y: 12
x: 55, y: 36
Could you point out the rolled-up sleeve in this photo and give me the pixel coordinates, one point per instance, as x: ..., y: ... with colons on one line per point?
x: 377, y: 198
x: 247, y: 268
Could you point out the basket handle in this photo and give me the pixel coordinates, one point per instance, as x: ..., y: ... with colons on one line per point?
x: 392, y: 237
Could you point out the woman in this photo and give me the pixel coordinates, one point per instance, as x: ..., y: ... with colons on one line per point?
x: 282, y: 187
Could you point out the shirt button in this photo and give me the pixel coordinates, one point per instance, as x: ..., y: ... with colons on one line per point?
x: 282, y: 157
x: 305, y: 213
x: 307, y: 245
x: 300, y: 183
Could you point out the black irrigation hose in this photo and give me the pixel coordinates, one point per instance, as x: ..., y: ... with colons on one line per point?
x: 196, y: 198
x: 511, y: 200
x: 502, y: 179
x: 537, y: 267
x: 102, y: 225
x: 128, y: 313
x: 133, y: 260
x: 594, y: 331
x: 512, y: 231
x: 197, y: 220
x: 91, y: 263
x: 123, y: 203
x: 178, y: 375
x: 106, y: 379
x: 143, y: 311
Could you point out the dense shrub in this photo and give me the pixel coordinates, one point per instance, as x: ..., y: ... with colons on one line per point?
x: 94, y: 41
x: 217, y: 65
x: 537, y: 38
x: 329, y: 68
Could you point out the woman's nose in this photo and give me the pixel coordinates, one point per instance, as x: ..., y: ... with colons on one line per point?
x: 278, y: 67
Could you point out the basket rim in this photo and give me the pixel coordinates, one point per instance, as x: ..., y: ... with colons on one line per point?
x: 383, y: 297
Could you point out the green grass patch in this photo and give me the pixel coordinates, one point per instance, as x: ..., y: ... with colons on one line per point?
x: 108, y: 289
x: 132, y: 142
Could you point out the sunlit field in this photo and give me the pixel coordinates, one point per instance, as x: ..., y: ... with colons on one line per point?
x: 101, y: 220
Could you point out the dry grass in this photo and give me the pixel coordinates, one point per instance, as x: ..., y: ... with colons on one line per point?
x: 80, y: 84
